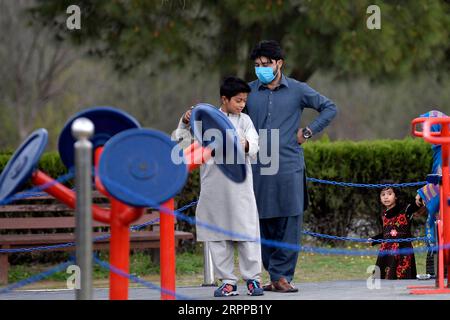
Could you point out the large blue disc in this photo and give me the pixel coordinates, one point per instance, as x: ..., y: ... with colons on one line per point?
x: 141, y: 167
x: 22, y: 163
x: 108, y: 121
x: 213, y: 129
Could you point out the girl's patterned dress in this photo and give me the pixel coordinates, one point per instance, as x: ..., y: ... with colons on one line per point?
x: 397, y: 225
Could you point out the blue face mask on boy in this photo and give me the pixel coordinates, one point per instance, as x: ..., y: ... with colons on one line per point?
x: 265, y: 74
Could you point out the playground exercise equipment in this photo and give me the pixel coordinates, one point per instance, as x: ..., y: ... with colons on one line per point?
x: 108, y: 121
x: 441, y: 137
x: 23, y: 166
x: 134, y: 167
x: 215, y: 134
x: 23, y: 163
x: 137, y: 167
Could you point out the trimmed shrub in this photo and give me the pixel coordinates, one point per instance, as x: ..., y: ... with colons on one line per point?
x: 349, y: 211
x: 334, y: 210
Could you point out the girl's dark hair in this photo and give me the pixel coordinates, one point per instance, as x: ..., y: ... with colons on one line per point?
x: 267, y: 48
x: 232, y: 86
x: 386, y: 188
x: 397, y: 191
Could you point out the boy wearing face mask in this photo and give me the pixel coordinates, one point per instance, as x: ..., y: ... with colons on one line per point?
x: 276, y: 102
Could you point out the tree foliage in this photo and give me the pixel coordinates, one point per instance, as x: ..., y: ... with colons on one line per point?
x: 330, y: 35
x: 32, y: 69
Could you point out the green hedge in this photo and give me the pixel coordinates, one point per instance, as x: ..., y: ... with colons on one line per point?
x: 344, y: 211
x: 333, y: 210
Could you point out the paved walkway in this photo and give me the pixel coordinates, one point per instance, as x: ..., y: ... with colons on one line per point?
x: 330, y: 290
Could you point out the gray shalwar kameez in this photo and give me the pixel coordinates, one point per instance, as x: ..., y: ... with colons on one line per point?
x: 282, y: 197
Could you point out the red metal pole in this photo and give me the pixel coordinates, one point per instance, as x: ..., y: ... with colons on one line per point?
x: 196, y: 155
x: 66, y: 195
x: 119, y: 217
x: 167, y: 250
x: 56, y: 189
x: 445, y: 132
x: 98, y: 184
x: 440, y: 276
x: 119, y: 252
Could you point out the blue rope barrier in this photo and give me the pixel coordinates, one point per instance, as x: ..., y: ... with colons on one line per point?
x: 36, y: 278
x: 133, y: 278
x: 319, y: 235
x: 288, y: 246
x: 363, y: 240
x: 71, y: 244
x: 24, y: 195
x: 271, y: 243
x: 194, y: 221
x: 347, y: 252
x: 63, y: 266
x: 367, y: 185
x: 36, y: 192
x: 143, y: 225
x: 278, y: 244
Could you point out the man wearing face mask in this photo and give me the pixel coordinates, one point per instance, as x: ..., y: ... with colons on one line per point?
x: 276, y: 102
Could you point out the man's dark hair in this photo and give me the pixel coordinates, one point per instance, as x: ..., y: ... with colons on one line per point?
x: 267, y: 48
x: 232, y: 86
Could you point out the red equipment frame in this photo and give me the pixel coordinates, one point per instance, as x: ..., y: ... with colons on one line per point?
x: 443, y: 220
x: 121, y: 215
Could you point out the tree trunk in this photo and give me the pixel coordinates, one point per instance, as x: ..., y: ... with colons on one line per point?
x: 301, y: 74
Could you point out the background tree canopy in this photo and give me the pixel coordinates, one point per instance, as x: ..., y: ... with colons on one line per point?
x: 156, y: 58
x: 316, y: 35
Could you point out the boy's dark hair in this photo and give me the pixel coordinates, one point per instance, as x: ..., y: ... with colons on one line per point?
x: 232, y: 86
x: 267, y: 48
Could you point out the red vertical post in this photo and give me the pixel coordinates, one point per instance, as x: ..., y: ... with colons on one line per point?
x: 443, y: 221
x: 167, y: 250
x: 440, y: 276
x: 119, y: 252
x: 119, y: 246
x: 445, y: 132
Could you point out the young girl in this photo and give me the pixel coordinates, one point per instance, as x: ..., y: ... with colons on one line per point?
x: 396, y: 225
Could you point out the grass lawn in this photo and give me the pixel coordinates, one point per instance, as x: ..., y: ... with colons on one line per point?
x: 310, y: 268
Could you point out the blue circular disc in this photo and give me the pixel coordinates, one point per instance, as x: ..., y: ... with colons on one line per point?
x: 22, y: 163
x: 213, y: 129
x: 108, y: 121
x: 137, y: 168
